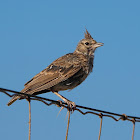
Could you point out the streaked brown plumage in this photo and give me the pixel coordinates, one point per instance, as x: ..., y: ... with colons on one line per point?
x: 66, y: 72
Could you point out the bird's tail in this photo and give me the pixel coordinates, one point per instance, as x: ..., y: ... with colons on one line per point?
x: 14, y: 98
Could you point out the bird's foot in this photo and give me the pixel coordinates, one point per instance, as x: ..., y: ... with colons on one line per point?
x: 71, y: 105
x: 59, y: 103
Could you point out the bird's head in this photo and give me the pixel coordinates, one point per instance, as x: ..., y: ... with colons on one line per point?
x: 88, y: 45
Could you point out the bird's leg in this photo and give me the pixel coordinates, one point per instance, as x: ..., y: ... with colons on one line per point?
x: 70, y: 103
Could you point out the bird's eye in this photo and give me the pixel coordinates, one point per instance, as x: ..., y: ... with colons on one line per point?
x: 87, y: 43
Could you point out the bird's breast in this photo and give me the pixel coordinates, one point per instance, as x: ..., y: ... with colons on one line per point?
x: 86, y: 65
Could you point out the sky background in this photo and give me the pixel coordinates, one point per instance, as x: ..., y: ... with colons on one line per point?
x: 34, y: 33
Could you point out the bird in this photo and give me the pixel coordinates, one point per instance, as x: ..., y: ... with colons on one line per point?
x: 65, y: 73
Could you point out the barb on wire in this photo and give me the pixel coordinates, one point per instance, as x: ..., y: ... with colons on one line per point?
x: 79, y: 108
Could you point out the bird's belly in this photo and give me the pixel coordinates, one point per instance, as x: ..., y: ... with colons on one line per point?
x: 71, y: 82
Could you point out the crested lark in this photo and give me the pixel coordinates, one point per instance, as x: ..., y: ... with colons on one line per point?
x: 64, y: 73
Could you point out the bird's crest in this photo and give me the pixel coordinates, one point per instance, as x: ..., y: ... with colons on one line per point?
x: 87, y: 35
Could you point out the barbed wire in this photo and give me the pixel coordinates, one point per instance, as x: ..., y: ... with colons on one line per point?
x: 97, y: 112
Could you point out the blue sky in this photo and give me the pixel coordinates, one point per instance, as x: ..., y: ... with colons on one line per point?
x: 35, y: 33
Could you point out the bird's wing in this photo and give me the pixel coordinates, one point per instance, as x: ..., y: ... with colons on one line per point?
x: 60, y: 70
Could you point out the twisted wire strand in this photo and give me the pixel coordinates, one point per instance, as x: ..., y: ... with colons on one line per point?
x: 91, y: 110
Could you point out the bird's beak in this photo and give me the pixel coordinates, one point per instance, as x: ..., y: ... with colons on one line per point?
x: 98, y: 45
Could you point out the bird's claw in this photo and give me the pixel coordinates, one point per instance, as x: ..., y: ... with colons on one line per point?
x: 71, y: 105
x: 60, y: 103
